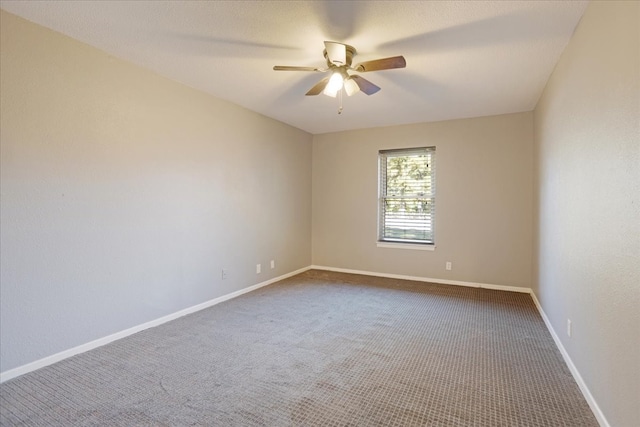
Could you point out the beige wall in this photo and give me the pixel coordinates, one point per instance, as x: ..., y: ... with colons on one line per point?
x: 124, y: 194
x: 483, y: 201
x: 587, y: 134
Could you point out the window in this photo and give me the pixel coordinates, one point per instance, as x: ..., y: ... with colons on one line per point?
x: 407, y: 196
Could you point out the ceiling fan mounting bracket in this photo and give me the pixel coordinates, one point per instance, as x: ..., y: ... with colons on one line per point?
x: 350, y: 53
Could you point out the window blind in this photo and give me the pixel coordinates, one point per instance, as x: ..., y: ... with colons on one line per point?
x: 407, y: 195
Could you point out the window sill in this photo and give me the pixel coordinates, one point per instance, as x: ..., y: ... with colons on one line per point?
x: 413, y: 246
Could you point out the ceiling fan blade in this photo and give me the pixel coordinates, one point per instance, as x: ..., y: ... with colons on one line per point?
x: 319, y: 87
x: 293, y: 68
x: 382, y: 64
x: 365, y: 85
x: 336, y: 52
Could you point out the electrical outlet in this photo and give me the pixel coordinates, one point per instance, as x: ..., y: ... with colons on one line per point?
x: 569, y: 327
x: 273, y: 264
x: 225, y: 274
x: 258, y: 268
x: 448, y: 265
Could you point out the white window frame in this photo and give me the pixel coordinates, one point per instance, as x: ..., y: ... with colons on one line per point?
x: 386, y: 241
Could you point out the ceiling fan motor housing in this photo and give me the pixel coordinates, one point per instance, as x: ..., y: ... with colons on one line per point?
x: 350, y: 53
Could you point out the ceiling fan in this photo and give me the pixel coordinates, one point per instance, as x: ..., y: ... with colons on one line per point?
x: 339, y: 57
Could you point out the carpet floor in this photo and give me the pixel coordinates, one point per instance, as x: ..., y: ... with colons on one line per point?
x: 319, y: 349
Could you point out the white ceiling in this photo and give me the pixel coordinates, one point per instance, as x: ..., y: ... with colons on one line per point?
x: 464, y: 58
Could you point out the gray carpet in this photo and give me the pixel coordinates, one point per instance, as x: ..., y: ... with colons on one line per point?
x: 319, y: 349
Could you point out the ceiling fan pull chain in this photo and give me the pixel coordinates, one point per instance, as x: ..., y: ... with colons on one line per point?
x: 340, y: 101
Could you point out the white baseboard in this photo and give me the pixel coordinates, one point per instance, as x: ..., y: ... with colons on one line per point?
x: 41, y: 363
x: 426, y: 279
x: 574, y: 371
x: 29, y: 367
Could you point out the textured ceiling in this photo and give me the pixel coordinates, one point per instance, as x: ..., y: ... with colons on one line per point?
x: 464, y: 58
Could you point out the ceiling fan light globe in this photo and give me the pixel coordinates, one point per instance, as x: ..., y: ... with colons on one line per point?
x: 331, y: 93
x: 335, y: 84
x: 351, y: 87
